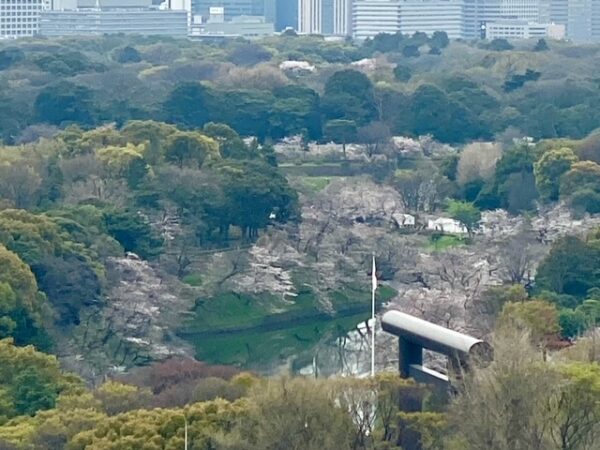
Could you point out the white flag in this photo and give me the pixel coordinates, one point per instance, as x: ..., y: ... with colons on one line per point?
x: 374, y: 275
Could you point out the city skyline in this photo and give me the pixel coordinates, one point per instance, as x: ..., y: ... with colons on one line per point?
x: 577, y: 20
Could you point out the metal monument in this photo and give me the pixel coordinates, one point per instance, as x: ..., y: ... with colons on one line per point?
x: 415, y: 335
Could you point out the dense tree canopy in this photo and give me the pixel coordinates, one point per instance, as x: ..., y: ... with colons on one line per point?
x: 146, y: 164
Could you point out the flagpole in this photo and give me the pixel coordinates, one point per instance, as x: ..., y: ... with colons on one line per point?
x: 185, y: 433
x: 373, y: 321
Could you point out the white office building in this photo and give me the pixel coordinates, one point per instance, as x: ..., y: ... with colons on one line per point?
x: 114, y: 21
x: 330, y: 17
x: 595, y: 25
x: 342, y: 17
x: 371, y: 17
x: 580, y: 17
x: 429, y: 16
x: 309, y: 16
x: 528, y: 10
x: 520, y: 29
x: 19, y: 18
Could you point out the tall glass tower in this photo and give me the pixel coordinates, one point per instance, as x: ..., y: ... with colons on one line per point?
x: 286, y: 14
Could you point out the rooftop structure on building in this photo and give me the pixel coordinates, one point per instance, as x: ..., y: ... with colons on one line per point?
x: 235, y: 8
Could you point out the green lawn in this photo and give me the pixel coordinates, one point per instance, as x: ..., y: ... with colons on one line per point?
x: 445, y: 242
x: 317, y: 184
x: 193, y: 279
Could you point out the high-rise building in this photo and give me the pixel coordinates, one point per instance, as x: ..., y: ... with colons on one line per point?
x: 581, y: 17
x: 579, y: 24
x: 332, y: 17
x: 527, y: 10
x: 429, y: 16
x: 309, y: 16
x: 477, y: 13
x: 342, y: 17
x: 286, y: 14
x: 19, y: 17
x: 595, y: 21
x: 113, y: 21
x: 371, y: 17
x: 270, y: 11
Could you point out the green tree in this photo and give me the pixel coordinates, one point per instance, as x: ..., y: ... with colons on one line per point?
x: 153, y: 134
x: 33, y: 379
x: 541, y: 46
x: 296, y: 414
x: 163, y: 429
x: 187, y: 105
x: 494, y: 298
x: 384, y: 42
x: 402, y: 73
x: 10, y: 56
x: 65, y: 102
x: 21, y: 304
x: 513, y: 186
x: 519, y: 402
x: 537, y: 317
x: 585, y: 199
x: 231, y: 145
x: 349, y: 96
x: 581, y: 185
x: 548, y: 170
x: 499, y: 45
x: 433, y: 112
x: 46, y: 244
x: 117, y: 398
x: 255, y: 193
x: 411, y: 51
x: 247, y: 111
x: 127, y: 54
x: 439, y: 39
x: 190, y: 148
x: 304, y: 111
x: 248, y: 54
x: 466, y: 213
x: 33, y: 392
x: 133, y: 231
x: 570, y: 267
x: 125, y: 162
x: 341, y: 132
x: 576, y: 426
x: 572, y: 322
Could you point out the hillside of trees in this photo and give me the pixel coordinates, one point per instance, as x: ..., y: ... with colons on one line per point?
x: 454, y: 91
x: 179, y: 220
